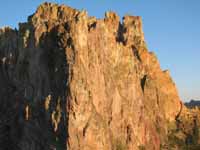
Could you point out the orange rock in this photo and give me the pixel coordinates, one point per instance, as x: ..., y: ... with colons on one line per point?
x: 113, y: 93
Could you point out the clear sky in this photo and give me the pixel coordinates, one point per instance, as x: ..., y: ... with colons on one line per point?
x: 171, y: 27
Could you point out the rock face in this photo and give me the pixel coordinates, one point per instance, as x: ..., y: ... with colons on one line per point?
x: 83, y: 83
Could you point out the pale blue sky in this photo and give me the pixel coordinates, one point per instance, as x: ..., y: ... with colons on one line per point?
x: 171, y: 27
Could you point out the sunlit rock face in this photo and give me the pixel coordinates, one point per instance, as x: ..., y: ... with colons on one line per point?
x: 82, y: 83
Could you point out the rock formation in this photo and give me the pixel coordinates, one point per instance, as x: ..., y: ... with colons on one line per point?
x: 71, y: 81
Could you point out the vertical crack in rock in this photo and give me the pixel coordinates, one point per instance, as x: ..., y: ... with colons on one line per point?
x: 143, y: 80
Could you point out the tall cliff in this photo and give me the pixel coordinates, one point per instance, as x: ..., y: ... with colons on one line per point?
x: 71, y: 81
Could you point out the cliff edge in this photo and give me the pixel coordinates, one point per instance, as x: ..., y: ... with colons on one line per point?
x: 83, y: 83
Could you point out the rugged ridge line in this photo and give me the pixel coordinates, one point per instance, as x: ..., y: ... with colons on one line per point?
x: 81, y: 83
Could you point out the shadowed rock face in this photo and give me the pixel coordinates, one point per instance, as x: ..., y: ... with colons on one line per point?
x: 84, y: 83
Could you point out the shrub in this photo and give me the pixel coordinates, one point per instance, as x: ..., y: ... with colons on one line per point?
x: 141, y: 147
x: 120, y: 145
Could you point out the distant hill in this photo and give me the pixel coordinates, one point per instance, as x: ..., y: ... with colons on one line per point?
x: 192, y: 103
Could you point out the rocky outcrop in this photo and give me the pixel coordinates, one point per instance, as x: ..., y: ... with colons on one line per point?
x: 85, y: 83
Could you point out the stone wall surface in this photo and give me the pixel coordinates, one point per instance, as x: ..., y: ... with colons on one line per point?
x: 73, y: 81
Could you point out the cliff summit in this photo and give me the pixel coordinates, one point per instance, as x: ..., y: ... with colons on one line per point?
x: 71, y: 81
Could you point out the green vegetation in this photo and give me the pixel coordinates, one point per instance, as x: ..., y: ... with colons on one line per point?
x: 184, y: 140
x: 120, y: 145
x: 175, y: 141
x: 141, y: 147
